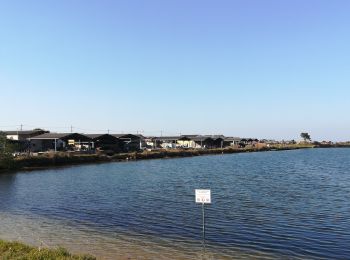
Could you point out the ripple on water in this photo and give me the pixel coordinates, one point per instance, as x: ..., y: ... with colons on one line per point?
x: 269, y: 205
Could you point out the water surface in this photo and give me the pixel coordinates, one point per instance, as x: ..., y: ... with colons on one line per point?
x: 272, y: 205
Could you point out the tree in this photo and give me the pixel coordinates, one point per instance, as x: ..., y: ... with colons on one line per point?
x: 41, y: 130
x: 6, y: 150
x: 305, y: 136
x: 2, y: 142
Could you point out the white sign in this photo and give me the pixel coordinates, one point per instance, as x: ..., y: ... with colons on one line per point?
x: 203, y: 196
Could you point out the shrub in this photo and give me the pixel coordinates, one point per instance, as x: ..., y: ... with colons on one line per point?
x: 16, y: 250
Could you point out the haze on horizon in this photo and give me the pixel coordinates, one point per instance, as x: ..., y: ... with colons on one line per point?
x: 265, y: 69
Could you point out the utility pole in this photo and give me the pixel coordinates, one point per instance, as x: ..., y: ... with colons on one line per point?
x: 71, y: 129
x: 21, y: 127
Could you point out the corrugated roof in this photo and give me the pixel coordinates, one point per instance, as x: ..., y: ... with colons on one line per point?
x: 52, y: 136
x: 23, y: 132
x: 201, y: 138
x: 58, y: 136
x: 215, y: 136
x: 96, y: 136
x: 127, y: 136
x: 166, y: 138
x: 230, y: 139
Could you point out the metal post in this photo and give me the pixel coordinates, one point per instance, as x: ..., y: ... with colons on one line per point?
x: 203, y: 226
x: 55, y: 145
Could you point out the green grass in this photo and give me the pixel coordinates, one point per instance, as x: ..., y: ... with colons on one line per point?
x: 19, y: 251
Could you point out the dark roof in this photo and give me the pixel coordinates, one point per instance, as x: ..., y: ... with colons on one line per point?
x: 167, y: 138
x: 215, y: 137
x: 201, y: 138
x: 23, y: 132
x: 97, y: 136
x: 128, y: 136
x: 60, y: 136
x: 51, y: 136
x: 189, y: 136
x: 231, y: 139
x: 251, y: 139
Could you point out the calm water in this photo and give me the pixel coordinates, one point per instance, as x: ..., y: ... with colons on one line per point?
x: 291, y: 204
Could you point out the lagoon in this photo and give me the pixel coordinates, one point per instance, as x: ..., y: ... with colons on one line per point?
x: 269, y: 205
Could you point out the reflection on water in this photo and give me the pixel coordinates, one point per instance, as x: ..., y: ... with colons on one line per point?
x: 7, y: 189
x: 292, y: 204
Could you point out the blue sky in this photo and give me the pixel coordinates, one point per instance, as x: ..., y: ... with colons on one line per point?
x: 266, y: 69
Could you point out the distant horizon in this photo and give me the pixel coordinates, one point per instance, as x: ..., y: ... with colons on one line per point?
x: 265, y: 69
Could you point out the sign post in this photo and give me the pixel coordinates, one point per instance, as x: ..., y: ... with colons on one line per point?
x: 204, y: 197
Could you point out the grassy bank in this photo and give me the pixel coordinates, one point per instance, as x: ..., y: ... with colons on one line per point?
x: 19, y: 251
x: 63, y: 159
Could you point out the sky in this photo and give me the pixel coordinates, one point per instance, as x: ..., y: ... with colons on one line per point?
x: 264, y: 69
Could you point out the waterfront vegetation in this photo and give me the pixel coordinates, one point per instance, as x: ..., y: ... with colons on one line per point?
x: 63, y: 158
x: 6, y: 149
x: 52, y: 159
x: 19, y: 251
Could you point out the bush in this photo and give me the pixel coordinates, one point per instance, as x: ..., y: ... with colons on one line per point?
x: 6, y: 150
x: 16, y: 250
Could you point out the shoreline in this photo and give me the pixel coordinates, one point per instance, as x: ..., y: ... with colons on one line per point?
x: 58, y: 160
x: 111, y: 245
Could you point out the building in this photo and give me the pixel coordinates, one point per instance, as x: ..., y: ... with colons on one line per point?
x: 60, y: 142
x: 107, y: 142
x: 208, y: 141
x: 132, y: 142
x: 232, y: 141
x: 186, y: 141
x: 248, y: 141
x: 23, y: 135
x: 19, y: 138
x: 189, y: 141
x: 166, y: 142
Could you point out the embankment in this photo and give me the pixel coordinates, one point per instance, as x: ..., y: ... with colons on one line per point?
x: 65, y: 159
